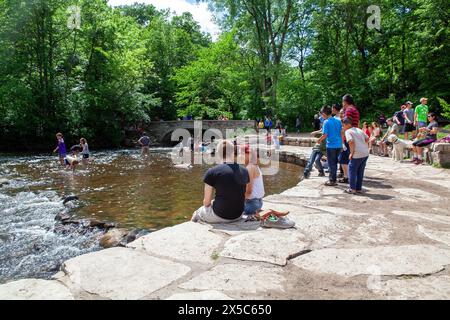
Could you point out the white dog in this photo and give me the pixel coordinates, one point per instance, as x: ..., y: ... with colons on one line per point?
x: 399, y: 147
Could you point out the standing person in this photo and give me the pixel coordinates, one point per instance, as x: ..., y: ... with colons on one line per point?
x: 85, y: 151
x: 399, y: 118
x: 409, y: 121
x: 277, y: 135
x: 298, y: 124
x: 316, y: 122
x: 350, y: 109
x: 431, y: 136
x: 421, y: 114
x: 270, y: 123
x: 343, y: 158
x: 144, y: 141
x: 382, y: 120
x: 261, y: 124
x: 266, y: 123
x: 61, y: 148
x: 229, y: 181
x: 335, y: 110
x: 359, y: 153
x: 332, y: 133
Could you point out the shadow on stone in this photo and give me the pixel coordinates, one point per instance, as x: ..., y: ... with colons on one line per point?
x: 372, y: 183
x: 377, y: 196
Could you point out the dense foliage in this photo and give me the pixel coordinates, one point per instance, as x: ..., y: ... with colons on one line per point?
x: 133, y: 64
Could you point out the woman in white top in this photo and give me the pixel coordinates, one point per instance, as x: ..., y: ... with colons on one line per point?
x: 255, y: 188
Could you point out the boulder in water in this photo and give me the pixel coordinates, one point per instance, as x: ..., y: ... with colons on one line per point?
x: 70, y: 198
x: 5, y: 237
x: 101, y: 224
x: 62, y: 216
x: 113, y: 237
x: 3, y: 182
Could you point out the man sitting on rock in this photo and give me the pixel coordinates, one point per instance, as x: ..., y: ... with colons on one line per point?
x: 229, y: 181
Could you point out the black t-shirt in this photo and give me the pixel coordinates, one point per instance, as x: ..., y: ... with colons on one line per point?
x: 230, y: 181
x: 400, y: 117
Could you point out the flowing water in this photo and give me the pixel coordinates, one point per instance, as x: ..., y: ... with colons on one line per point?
x: 118, y: 186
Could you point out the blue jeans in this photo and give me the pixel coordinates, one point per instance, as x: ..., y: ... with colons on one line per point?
x: 252, y: 206
x: 316, y: 155
x: 356, y: 169
x: 332, y: 158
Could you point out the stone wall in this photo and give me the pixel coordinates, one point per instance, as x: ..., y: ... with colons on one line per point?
x: 441, y: 154
x: 299, y: 142
x: 160, y: 131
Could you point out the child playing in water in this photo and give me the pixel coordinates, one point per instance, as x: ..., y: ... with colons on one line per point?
x: 72, y: 160
x: 85, y: 152
x: 61, y: 148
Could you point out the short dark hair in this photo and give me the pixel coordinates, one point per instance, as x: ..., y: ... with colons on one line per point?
x: 337, y: 106
x: 348, y: 98
x: 144, y: 133
x: 390, y: 120
x: 326, y: 110
x: 432, y: 114
x: 347, y: 120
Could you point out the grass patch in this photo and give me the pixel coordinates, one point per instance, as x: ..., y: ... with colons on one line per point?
x: 444, y: 166
x: 215, y: 255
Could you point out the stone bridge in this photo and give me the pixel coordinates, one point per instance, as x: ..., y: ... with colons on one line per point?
x: 161, y: 131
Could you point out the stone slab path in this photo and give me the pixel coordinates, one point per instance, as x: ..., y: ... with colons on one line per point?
x: 393, y: 242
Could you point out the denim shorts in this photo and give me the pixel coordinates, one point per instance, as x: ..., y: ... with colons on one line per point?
x: 421, y: 124
x: 344, y: 155
x: 252, y: 206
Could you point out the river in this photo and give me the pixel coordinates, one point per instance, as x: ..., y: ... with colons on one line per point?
x: 118, y: 186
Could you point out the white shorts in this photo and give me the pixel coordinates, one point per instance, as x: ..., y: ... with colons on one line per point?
x: 206, y: 214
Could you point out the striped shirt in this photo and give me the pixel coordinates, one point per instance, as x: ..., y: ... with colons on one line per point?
x: 353, y: 113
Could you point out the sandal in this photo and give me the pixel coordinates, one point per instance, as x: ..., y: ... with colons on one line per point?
x: 343, y: 180
x: 273, y: 213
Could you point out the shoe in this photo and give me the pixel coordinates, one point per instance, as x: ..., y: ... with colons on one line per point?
x: 350, y: 191
x: 277, y: 222
x: 330, y: 184
x: 306, y: 175
x: 321, y: 174
x: 414, y: 160
x: 418, y: 162
x: 343, y: 180
x: 340, y: 175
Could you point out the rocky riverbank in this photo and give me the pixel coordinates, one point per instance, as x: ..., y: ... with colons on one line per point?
x: 390, y: 243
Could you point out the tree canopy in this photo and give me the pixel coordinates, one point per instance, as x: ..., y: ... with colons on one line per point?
x: 132, y: 64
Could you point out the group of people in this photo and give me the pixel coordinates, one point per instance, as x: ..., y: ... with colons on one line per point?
x: 344, y: 144
x: 77, y: 153
x: 413, y: 124
x: 348, y: 147
x: 238, y: 190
